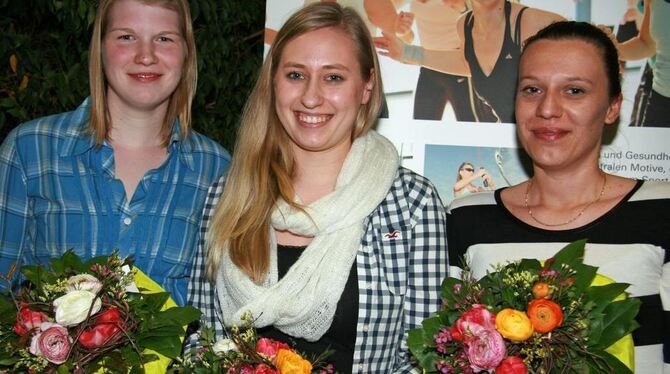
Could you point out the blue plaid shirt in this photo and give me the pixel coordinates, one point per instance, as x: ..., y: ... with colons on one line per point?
x: 59, y: 192
x: 401, y: 264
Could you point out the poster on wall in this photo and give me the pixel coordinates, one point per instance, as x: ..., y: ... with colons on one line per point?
x: 457, y: 114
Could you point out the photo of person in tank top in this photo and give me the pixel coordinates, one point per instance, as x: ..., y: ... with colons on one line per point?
x: 491, y: 35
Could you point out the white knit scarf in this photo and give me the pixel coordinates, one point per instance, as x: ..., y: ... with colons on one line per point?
x: 303, y: 303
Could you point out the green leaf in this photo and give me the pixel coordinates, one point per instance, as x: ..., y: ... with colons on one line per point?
x: 167, y: 346
x: 68, y: 263
x: 431, y: 326
x: 178, y: 315
x: 155, y: 301
x: 152, y: 330
x: 615, y: 366
x: 570, y: 254
x: 603, y: 294
x: 584, y: 277
x: 619, y: 320
x: 8, y: 361
x: 415, y: 342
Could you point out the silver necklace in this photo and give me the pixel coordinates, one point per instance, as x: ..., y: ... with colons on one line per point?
x: 571, y: 220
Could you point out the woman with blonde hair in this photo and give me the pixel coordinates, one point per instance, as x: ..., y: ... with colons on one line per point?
x: 316, y: 229
x: 124, y: 171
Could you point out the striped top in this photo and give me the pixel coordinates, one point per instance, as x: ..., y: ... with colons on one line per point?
x: 630, y: 244
x: 59, y: 192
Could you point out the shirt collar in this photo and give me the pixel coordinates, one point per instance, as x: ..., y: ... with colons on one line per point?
x: 78, y: 139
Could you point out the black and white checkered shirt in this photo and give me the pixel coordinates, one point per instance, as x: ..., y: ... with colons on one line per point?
x: 401, y: 263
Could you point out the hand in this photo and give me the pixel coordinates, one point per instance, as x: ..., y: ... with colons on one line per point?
x: 630, y: 15
x: 389, y: 46
x: 403, y: 26
x: 481, y: 173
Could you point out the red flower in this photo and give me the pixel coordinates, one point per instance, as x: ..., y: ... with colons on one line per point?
x: 512, y: 365
x: 456, y: 334
x: 264, y: 369
x: 479, y: 315
x: 108, y: 325
x: 270, y: 347
x: 28, y: 320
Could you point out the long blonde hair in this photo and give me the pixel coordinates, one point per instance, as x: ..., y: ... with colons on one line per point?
x: 179, y: 105
x: 263, y: 164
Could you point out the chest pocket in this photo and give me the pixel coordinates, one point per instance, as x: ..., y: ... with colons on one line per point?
x: 393, y: 245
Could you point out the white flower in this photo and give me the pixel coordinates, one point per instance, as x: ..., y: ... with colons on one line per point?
x: 224, y: 346
x: 84, y: 282
x: 73, y: 307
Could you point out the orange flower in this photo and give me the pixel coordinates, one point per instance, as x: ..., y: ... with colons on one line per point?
x: 545, y: 315
x: 513, y: 325
x: 541, y: 290
x: 289, y: 362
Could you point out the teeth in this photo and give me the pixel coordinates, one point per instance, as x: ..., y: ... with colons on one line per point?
x: 146, y: 75
x: 313, y: 119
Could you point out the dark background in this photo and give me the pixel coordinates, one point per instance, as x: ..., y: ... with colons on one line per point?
x: 44, y: 60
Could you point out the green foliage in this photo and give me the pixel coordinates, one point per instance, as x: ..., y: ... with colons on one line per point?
x: 44, y: 60
x: 593, y: 317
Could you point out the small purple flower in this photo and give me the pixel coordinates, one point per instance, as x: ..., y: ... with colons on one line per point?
x: 444, y: 367
x: 457, y: 287
x: 441, y: 339
x: 548, y: 273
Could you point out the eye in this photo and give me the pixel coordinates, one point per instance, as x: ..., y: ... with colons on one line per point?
x: 125, y: 37
x: 575, y: 91
x: 334, y: 78
x: 530, y: 90
x: 164, y: 39
x: 294, y: 75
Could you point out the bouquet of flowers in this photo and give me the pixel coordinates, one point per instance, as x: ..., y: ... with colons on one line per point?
x: 84, y: 317
x: 528, y: 317
x: 245, y: 352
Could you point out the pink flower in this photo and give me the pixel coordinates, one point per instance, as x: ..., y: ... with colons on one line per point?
x: 270, y: 347
x: 477, y: 316
x: 27, y: 320
x: 246, y: 369
x: 264, y: 369
x: 485, y: 348
x: 53, y: 342
x: 512, y: 365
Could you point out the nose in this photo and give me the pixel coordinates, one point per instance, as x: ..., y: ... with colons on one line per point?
x: 146, y: 53
x: 550, y: 105
x: 312, y: 95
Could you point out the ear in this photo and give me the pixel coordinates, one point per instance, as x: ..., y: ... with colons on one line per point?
x: 613, y: 110
x: 367, y: 88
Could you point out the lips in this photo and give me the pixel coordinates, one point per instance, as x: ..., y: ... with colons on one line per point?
x: 549, y: 133
x: 312, y: 120
x: 145, y: 77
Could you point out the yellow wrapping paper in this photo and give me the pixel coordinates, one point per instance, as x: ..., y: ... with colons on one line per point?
x: 147, y: 285
x: 624, y: 348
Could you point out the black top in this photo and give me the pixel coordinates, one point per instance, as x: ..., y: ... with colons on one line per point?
x: 341, y: 336
x: 640, y: 220
x: 497, y: 89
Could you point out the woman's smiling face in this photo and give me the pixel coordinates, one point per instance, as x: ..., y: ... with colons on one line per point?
x: 562, y: 102
x: 319, y: 90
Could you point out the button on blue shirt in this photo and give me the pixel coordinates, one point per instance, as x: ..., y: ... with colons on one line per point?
x: 58, y: 192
